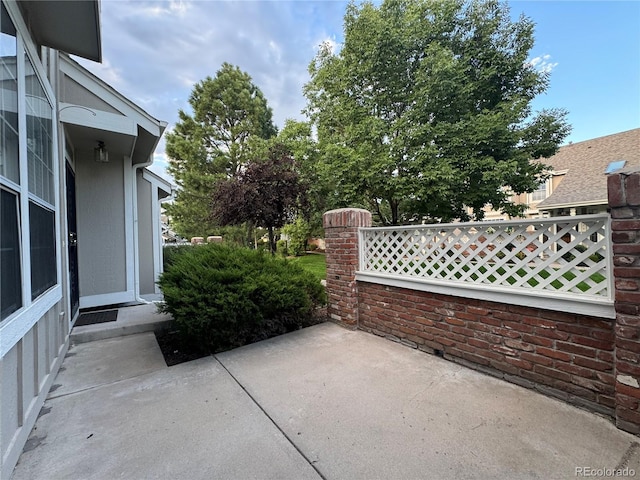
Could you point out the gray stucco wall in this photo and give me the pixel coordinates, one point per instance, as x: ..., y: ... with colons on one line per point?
x: 145, y: 235
x: 101, y: 225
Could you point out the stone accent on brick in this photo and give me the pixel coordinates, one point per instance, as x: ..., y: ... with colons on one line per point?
x: 624, y: 203
x: 341, y: 240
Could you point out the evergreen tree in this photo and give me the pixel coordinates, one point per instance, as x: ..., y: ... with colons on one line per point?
x: 230, y: 119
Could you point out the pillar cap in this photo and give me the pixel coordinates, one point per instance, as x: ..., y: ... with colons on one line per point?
x: 346, y: 217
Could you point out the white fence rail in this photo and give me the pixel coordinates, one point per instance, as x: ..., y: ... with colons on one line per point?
x: 557, y: 256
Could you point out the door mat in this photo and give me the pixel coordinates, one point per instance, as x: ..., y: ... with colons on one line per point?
x: 91, y: 318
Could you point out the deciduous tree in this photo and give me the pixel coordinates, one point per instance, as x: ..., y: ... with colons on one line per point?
x: 267, y: 192
x: 424, y: 114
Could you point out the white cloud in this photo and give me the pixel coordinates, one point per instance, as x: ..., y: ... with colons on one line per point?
x: 542, y: 63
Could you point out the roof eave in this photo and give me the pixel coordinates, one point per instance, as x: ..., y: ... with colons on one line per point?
x: 71, y: 26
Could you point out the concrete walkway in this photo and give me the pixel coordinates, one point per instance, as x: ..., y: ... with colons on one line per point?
x: 323, y: 402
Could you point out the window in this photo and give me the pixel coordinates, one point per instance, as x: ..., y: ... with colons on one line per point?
x: 10, y: 252
x: 39, y: 141
x: 9, y: 159
x: 27, y: 189
x: 41, y: 185
x: 10, y: 258
x: 539, y: 194
x: 42, y: 235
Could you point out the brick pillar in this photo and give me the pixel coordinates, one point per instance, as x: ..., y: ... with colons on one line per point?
x: 624, y: 203
x: 341, y: 238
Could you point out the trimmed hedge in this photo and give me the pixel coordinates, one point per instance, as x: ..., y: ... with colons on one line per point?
x: 222, y: 297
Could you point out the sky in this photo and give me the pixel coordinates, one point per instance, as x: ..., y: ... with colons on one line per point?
x: 155, y: 51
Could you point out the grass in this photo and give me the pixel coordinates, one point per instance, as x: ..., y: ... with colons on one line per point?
x: 313, y: 262
x: 436, y: 270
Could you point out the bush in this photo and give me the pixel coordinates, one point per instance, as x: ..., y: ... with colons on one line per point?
x: 171, y: 252
x: 222, y: 297
x: 281, y: 248
x: 298, y: 233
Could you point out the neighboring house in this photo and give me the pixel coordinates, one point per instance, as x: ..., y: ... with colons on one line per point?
x: 578, y: 182
x: 79, y: 212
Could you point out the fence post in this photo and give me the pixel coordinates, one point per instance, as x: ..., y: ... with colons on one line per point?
x: 341, y: 239
x: 624, y: 204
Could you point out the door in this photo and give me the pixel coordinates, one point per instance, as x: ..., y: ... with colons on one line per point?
x: 72, y: 242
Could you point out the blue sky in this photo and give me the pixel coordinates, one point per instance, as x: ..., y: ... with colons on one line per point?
x: 155, y: 51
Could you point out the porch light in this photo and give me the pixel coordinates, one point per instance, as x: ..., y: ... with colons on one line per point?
x: 100, y: 153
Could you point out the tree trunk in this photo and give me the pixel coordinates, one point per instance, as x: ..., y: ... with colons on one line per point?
x: 272, y: 241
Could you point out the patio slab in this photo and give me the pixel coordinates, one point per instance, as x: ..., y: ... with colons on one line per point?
x: 323, y: 402
x: 362, y: 407
x: 191, y: 421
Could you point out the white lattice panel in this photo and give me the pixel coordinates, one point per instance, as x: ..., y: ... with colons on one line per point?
x: 561, y: 254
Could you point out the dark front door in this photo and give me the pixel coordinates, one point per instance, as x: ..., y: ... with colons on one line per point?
x: 72, y: 241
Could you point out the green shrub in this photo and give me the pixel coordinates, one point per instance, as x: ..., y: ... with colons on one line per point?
x: 281, y: 248
x: 171, y: 252
x: 222, y: 297
x: 298, y: 233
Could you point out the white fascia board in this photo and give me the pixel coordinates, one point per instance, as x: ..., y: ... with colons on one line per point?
x: 573, y: 205
x: 110, y: 122
x: 107, y: 93
x: 156, y: 180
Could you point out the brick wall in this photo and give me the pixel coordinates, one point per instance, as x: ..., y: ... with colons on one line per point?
x: 341, y: 244
x: 560, y: 354
x: 586, y: 360
x: 624, y: 203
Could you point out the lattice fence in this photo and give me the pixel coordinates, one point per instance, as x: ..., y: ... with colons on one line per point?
x: 561, y: 254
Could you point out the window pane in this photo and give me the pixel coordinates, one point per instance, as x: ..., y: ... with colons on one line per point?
x: 43, y: 249
x: 10, y: 274
x: 9, y: 161
x: 39, y: 137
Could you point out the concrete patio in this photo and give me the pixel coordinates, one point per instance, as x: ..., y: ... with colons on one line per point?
x: 323, y: 402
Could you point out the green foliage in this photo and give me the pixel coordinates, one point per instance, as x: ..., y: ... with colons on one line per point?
x: 171, y: 252
x: 298, y: 233
x: 298, y: 138
x: 281, y: 248
x: 230, y: 121
x: 267, y: 193
x: 426, y: 110
x: 223, y: 297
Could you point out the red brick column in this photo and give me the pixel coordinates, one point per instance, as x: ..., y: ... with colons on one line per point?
x: 341, y: 238
x: 624, y: 202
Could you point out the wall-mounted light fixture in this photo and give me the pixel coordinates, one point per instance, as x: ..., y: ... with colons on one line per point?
x: 100, y: 153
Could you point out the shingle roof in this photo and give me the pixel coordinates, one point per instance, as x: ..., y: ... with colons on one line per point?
x: 585, y: 182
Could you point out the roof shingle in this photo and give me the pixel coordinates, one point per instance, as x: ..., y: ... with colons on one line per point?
x: 585, y: 182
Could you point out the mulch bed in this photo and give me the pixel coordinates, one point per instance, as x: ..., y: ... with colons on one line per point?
x: 172, y: 349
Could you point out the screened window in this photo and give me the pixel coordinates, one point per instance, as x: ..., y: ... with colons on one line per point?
x: 10, y: 259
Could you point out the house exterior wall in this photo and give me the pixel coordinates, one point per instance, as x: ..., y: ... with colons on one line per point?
x: 74, y: 93
x: 102, y: 240
x: 145, y: 235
